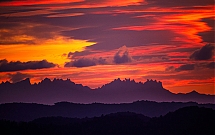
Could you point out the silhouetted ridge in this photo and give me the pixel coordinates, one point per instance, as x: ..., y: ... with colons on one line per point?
x: 153, y: 84
x: 25, y: 82
x: 55, y: 121
x: 130, y: 85
x: 193, y: 92
x: 190, y: 120
x: 46, y: 81
x: 31, y: 111
x: 118, y: 91
x: 120, y: 82
x: 149, y: 83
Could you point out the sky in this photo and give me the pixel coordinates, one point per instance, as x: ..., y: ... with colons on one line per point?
x: 93, y: 42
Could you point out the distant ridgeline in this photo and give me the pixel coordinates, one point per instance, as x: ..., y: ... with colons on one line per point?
x: 31, y: 111
x: 190, y: 120
x: 117, y: 91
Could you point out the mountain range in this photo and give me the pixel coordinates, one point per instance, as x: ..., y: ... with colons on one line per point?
x: 31, y: 111
x: 118, y: 91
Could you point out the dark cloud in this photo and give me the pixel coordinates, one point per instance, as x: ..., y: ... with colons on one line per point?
x: 122, y: 56
x: 109, y: 39
x: 208, y: 36
x: 211, y: 65
x: 18, y: 77
x: 204, y: 53
x: 86, y: 62
x: 70, y: 54
x: 83, y: 62
x: 179, y: 3
x: 6, y: 66
x: 77, y: 54
x: 99, y: 28
x: 185, y: 67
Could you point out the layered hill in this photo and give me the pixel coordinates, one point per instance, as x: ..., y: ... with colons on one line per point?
x: 190, y: 120
x: 31, y: 111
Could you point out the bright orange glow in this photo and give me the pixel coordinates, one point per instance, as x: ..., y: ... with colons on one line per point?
x: 52, y: 50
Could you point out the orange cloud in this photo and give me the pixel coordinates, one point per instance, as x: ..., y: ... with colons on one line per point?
x: 66, y: 15
x: 52, y: 50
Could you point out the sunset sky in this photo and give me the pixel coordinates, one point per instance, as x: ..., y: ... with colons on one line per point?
x: 93, y: 42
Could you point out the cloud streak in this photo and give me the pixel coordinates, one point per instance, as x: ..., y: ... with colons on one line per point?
x: 186, y: 67
x: 6, y: 66
x: 86, y: 62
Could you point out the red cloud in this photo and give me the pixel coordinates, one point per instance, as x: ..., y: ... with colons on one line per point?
x: 81, y: 3
x: 35, y: 2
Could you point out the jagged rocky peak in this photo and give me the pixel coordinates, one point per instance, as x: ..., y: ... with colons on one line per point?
x: 25, y: 81
x: 125, y: 80
x: 193, y: 92
x: 68, y: 80
x: 117, y: 82
x: 56, y: 81
x: 118, y: 79
x: 46, y: 80
x: 153, y: 83
x: 149, y: 83
x: 7, y: 82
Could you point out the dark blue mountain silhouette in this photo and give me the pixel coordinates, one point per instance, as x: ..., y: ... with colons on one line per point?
x: 118, y: 91
x: 31, y: 111
x: 190, y: 120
